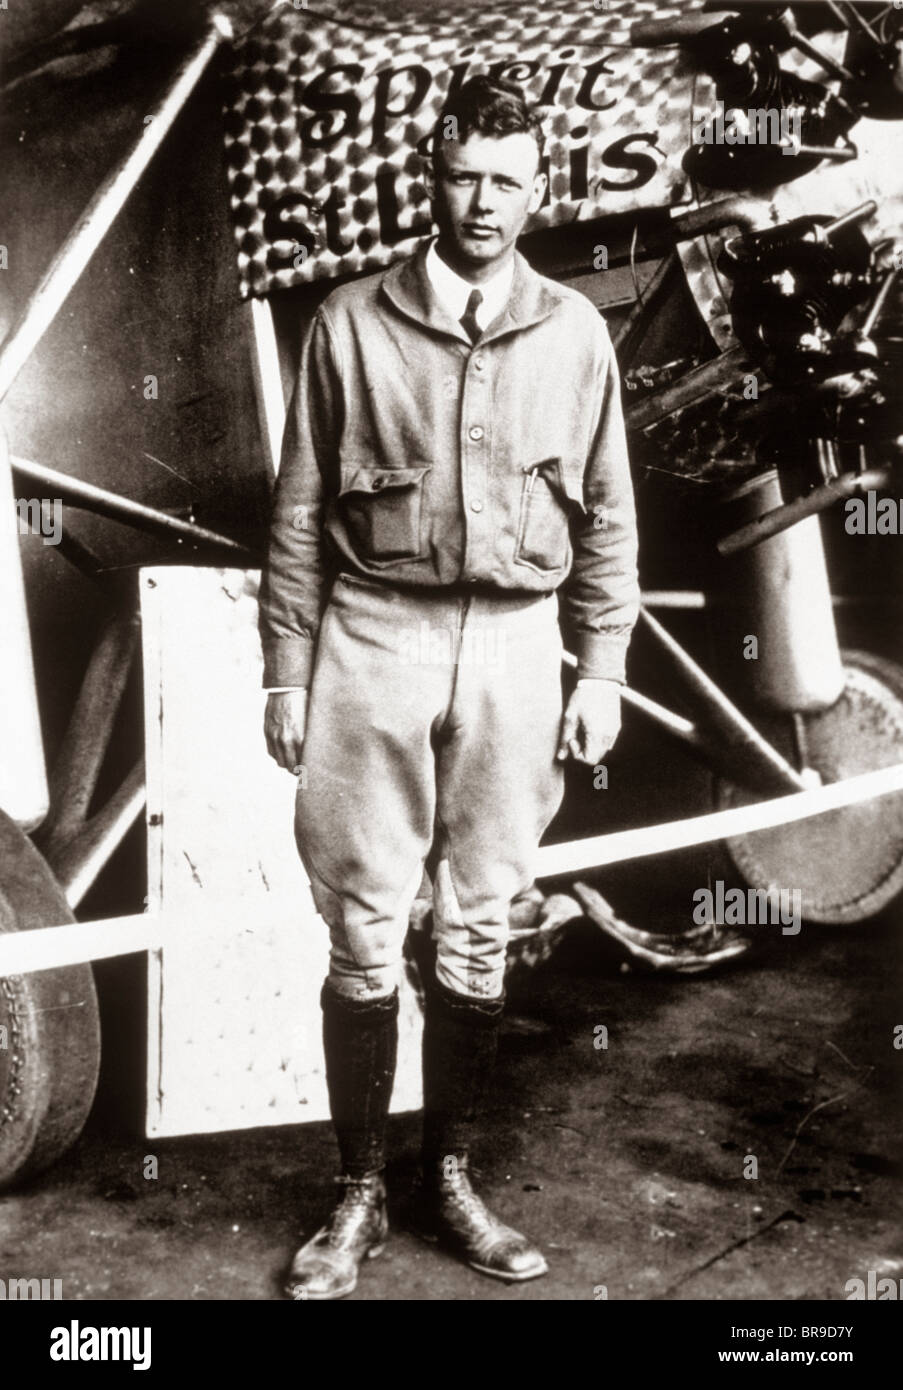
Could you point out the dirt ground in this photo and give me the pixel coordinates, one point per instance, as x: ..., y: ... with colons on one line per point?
x: 625, y: 1163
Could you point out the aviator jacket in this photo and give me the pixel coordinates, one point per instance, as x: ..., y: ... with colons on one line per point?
x: 417, y: 458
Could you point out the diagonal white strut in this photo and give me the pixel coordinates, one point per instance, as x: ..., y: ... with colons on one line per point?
x: 97, y: 218
x: 598, y: 850
x: 48, y: 947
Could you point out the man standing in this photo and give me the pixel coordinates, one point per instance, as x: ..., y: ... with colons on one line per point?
x: 454, y: 455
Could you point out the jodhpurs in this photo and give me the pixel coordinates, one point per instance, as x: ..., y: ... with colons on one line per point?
x: 429, y: 715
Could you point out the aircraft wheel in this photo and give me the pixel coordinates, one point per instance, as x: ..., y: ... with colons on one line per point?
x: 49, y: 1024
x: 847, y: 864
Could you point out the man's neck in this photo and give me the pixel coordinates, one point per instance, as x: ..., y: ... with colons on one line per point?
x: 476, y: 273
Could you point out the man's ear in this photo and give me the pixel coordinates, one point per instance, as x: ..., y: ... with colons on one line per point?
x: 540, y: 184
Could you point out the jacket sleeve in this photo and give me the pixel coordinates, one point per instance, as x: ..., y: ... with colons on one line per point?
x: 293, y: 583
x: 601, y: 595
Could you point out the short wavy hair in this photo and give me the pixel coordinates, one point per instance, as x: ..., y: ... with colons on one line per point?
x: 488, y: 106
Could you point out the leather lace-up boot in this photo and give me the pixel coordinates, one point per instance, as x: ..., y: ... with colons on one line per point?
x: 456, y: 1216
x: 360, y: 1043
x: 460, y: 1041
x: 327, y: 1266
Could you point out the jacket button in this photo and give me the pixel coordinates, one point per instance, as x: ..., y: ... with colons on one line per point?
x: 476, y: 505
x: 478, y: 363
x: 476, y: 431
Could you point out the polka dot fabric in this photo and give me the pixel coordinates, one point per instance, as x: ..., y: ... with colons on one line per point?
x: 327, y: 114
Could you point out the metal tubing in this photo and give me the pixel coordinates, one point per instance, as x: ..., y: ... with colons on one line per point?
x: 847, y: 13
x: 642, y: 308
x: 838, y: 13
x: 818, y: 500
x: 85, y: 856
x: 23, y: 778
x: 47, y: 948
x: 739, y: 210
x: 618, y: 846
x: 710, y: 752
x: 110, y: 504
x: 97, y: 218
x: 675, y: 598
x: 682, y: 728
x: 839, y: 153
x: 87, y: 738
x: 878, y: 303
x: 659, y: 33
x: 694, y: 600
x: 78, y: 554
x: 713, y: 753
x: 861, y: 213
x: 743, y: 738
x: 824, y: 61
x: 827, y: 459
x: 698, y: 382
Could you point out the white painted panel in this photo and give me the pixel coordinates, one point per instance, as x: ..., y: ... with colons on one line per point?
x: 234, y: 1017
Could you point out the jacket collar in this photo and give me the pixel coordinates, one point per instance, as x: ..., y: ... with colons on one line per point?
x: 407, y: 285
x: 455, y: 292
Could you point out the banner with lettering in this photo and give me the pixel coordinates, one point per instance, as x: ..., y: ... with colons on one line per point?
x: 328, y: 117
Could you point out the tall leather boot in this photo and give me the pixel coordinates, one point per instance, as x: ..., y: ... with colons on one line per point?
x: 460, y: 1041
x: 360, y: 1044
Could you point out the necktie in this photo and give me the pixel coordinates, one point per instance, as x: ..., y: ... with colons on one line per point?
x: 468, y: 319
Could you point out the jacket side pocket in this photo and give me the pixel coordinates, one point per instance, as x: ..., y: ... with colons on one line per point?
x: 383, y: 511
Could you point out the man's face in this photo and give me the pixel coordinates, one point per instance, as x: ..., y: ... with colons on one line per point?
x: 483, y: 192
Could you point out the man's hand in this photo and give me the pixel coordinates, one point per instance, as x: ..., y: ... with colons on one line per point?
x: 283, y: 727
x: 591, y: 722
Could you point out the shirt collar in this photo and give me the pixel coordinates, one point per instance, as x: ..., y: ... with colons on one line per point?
x: 453, y: 291
x: 407, y: 286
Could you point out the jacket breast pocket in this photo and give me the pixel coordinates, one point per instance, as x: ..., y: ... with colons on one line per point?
x: 383, y: 510
x: 549, y: 496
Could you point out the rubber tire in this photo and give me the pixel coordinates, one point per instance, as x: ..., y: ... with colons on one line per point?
x: 750, y: 853
x: 49, y: 1068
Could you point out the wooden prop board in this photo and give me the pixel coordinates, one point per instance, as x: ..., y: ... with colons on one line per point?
x: 234, y: 1022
